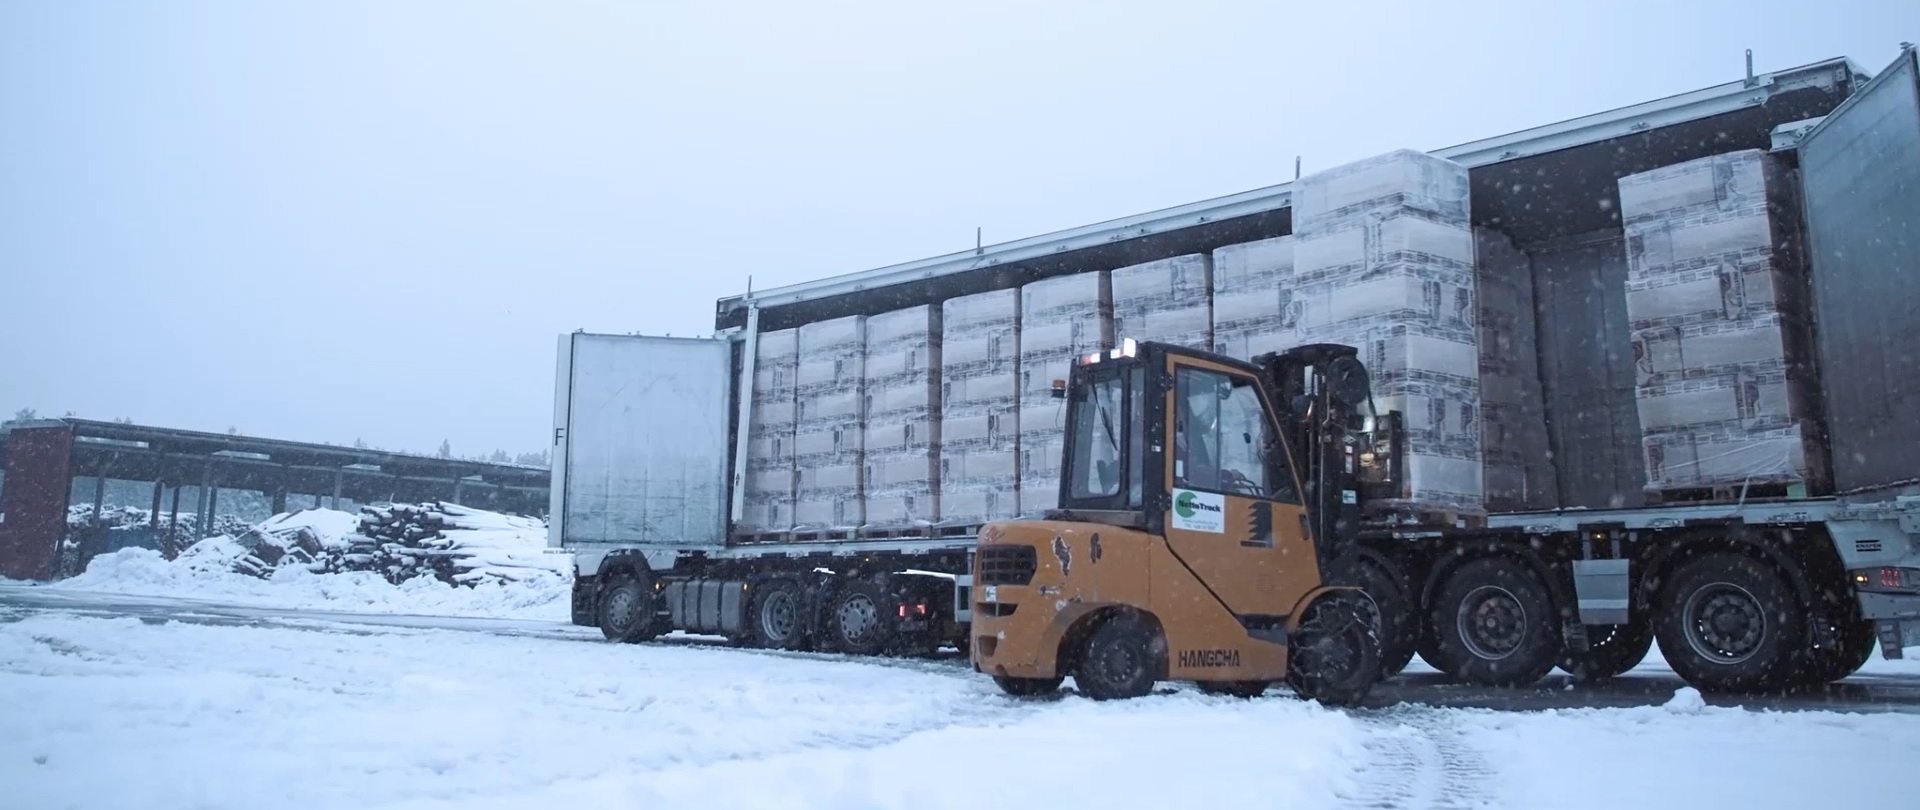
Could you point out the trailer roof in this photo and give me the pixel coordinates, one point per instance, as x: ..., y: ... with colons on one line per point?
x: 1699, y: 104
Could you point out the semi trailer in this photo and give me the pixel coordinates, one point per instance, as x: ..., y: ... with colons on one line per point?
x: 1635, y: 380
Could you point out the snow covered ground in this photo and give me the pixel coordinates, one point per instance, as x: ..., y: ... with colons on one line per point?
x: 121, y: 713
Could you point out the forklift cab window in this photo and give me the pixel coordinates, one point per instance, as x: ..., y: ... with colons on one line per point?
x: 1108, y: 441
x: 1222, y: 442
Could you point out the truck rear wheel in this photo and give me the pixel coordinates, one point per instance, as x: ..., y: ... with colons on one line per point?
x: 1729, y: 622
x: 1334, y: 657
x: 1399, y: 624
x: 626, y: 612
x: 1494, y: 618
x: 1118, y: 661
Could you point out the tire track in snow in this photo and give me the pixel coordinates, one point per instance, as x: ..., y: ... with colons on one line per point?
x: 1421, y: 759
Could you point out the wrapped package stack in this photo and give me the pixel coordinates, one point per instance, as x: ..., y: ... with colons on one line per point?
x: 1060, y: 318
x: 827, y: 444
x: 901, y: 447
x: 1253, y: 311
x: 770, y: 471
x: 1719, y: 329
x: 1383, y: 260
x: 1518, y: 459
x: 1167, y: 300
x: 979, y: 408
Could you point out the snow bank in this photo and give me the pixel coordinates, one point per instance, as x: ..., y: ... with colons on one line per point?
x: 305, y: 561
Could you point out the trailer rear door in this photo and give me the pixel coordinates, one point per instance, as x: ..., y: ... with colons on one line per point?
x: 1860, y: 173
x: 640, y: 441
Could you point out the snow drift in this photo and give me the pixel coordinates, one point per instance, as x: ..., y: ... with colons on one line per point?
x: 432, y: 558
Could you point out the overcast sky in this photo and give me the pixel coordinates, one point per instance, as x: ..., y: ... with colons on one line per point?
x: 336, y: 220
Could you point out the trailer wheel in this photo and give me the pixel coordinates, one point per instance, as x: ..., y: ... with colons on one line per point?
x: 1494, y: 618
x: 1118, y: 661
x: 1028, y: 687
x: 1610, y: 653
x: 1855, y: 639
x: 1399, y: 626
x: 626, y: 612
x: 858, y: 618
x: 1334, y: 657
x: 776, y: 617
x: 1729, y: 622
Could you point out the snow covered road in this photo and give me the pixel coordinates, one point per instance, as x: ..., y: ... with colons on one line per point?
x: 150, y: 712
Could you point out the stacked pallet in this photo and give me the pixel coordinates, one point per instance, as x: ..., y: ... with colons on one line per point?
x: 1721, y: 329
x: 979, y: 408
x: 770, y: 435
x: 1517, y: 456
x: 1384, y: 261
x: 901, y: 445
x: 1253, y: 311
x: 827, y: 445
x: 1060, y: 318
x: 1168, y: 300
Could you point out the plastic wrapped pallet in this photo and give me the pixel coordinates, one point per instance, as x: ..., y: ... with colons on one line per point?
x: 770, y: 470
x: 1253, y: 310
x: 1720, y: 339
x: 1166, y: 300
x: 979, y: 408
x: 828, y: 440
x: 902, y: 440
x: 1517, y: 454
x: 1060, y: 318
x: 1383, y: 260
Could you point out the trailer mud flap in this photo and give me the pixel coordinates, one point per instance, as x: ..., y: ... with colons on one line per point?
x: 1898, y: 634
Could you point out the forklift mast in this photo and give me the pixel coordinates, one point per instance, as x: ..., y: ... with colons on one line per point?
x: 1346, y: 452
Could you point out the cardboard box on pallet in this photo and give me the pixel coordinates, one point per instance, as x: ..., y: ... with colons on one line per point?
x: 1516, y: 452
x: 829, y: 441
x: 1253, y: 310
x: 901, y: 446
x: 1167, y: 300
x: 979, y: 408
x: 1060, y: 318
x: 1721, y: 330
x: 770, y: 480
x: 1383, y: 260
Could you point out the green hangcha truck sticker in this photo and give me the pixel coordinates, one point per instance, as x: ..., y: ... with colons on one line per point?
x: 1199, y: 511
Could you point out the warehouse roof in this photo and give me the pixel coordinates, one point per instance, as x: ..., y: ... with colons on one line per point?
x: 1755, y: 91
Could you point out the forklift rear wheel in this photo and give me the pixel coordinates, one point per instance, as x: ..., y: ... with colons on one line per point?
x: 1335, y: 655
x: 626, y: 610
x: 1118, y: 660
x: 1028, y: 687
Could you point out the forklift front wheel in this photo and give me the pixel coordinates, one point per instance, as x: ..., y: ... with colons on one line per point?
x: 1336, y: 652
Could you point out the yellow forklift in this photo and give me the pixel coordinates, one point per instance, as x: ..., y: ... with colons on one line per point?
x: 1204, y: 504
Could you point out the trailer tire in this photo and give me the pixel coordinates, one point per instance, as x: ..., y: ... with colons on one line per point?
x: 776, y: 616
x: 857, y: 620
x: 1729, y: 622
x: 1399, y: 624
x: 1855, y: 639
x: 1028, y: 687
x: 1118, y: 660
x: 1494, y: 618
x: 626, y: 611
x: 1612, y: 655
x: 1334, y: 656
